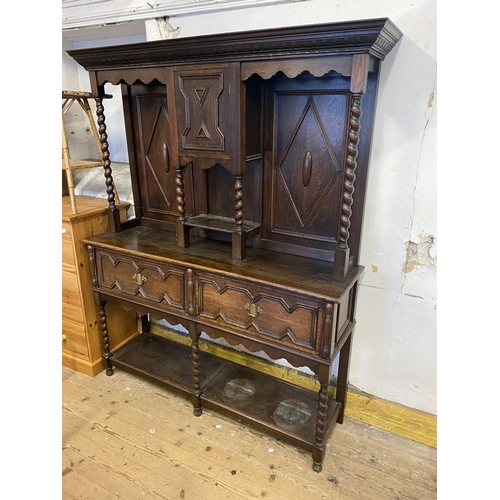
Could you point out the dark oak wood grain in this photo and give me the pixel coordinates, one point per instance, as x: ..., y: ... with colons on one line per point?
x: 373, y: 36
x: 249, y: 159
x: 311, y: 276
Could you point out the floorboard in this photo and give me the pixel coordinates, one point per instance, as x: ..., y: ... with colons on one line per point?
x: 124, y: 437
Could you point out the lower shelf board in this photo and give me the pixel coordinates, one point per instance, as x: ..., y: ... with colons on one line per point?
x: 166, y: 362
x: 284, y: 410
x: 266, y: 403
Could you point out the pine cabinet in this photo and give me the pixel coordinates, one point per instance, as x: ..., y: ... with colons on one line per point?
x: 82, y: 344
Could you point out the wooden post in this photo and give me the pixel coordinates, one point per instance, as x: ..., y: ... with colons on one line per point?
x: 318, y: 452
x: 113, y: 211
x: 181, y: 230
x: 342, y: 254
x: 104, y: 326
x: 195, y: 357
x: 359, y: 79
x: 67, y: 167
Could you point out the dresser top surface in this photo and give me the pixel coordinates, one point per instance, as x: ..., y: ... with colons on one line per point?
x: 301, y: 274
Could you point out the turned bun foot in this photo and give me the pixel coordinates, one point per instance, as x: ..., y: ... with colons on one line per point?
x: 317, y: 467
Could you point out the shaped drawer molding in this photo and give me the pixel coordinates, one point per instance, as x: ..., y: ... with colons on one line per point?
x: 265, y: 312
x: 144, y: 280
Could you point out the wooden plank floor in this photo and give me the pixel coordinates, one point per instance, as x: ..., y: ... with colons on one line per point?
x: 124, y: 437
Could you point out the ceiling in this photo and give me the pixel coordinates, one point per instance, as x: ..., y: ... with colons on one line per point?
x: 106, y: 31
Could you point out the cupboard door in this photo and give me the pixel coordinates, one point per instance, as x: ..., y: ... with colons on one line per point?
x: 304, y: 172
x: 154, y: 154
x: 207, y: 102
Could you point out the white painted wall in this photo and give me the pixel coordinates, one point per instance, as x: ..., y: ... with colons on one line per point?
x: 394, y: 353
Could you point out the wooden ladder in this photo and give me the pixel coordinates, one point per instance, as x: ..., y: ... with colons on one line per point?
x: 69, y: 164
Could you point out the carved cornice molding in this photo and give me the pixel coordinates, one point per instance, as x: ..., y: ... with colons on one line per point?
x: 374, y: 36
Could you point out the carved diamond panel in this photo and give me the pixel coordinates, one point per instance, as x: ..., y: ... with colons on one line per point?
x: 158, y: 170
x: 308, y: 165
x: 309, y: 148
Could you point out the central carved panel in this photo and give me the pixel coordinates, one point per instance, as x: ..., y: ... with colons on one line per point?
x: 201, y: 94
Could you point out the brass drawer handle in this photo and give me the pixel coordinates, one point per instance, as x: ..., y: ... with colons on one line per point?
x: 253, y: 310
x: 139, y: 278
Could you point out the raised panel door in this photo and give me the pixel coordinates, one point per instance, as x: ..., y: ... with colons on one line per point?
x: 155, y: 156
x: 304, y: 173
x: 207, y: 101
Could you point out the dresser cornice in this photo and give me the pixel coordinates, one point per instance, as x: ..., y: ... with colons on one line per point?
x: 374, y: 36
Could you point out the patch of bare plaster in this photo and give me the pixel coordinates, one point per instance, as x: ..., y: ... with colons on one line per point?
x: 422, y: 253
x: 374, y: 268
x: 165, y: 28
x: 430, y: 101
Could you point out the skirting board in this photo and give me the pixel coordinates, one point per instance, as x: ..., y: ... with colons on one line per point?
x: 398, y: 419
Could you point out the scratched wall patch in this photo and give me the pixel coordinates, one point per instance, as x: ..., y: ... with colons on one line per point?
x: 422, y: 253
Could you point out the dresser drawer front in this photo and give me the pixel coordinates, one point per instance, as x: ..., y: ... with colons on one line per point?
x: 267, y: 313
x: 144, y: 280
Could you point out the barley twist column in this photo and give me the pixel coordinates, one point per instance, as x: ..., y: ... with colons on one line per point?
x: 179, y: 190
x: 104, y: 327
x: 319, y: 444
x: 352, y: 153
x: 103, y: 138
x: 195, y: 356
x: 238, y: 203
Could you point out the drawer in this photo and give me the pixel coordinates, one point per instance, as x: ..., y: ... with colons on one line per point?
x: 264, y: 312
x: 68, y: 256
x: 72, y: 308
x: 74, y: 339
x: 143, y: 280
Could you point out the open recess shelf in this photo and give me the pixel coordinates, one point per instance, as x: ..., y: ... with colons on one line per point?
x: 219, y: 223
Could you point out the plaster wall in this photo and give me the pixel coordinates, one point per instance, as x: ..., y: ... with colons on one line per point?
x: 394, y: 353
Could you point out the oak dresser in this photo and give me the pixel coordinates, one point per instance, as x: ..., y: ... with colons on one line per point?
x: 249, y: 156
